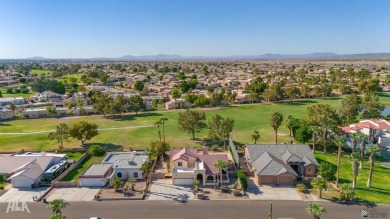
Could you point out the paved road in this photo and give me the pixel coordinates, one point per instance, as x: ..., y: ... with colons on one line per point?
x: 191, y: 209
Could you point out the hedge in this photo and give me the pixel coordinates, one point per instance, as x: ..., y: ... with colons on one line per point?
x: 243, y: 180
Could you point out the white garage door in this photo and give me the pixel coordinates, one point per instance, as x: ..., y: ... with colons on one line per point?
x: 21, y: 183
x: 183, y: 181
x: 92, y: 182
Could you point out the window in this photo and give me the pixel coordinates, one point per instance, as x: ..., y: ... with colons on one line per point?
x: 180, y: 164
x: 135, y: 174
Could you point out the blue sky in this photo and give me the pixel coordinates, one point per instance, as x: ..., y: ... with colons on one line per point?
x: 113, y: 28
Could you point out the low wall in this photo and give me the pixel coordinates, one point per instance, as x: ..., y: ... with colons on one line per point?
x: 156, y: 176
x: 64, y: 184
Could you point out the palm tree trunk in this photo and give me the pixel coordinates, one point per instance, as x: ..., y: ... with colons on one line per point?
x: 314, y: 143
x: 370, y: 173
x: 338, y: 167
x: 276, y: 136
x: 163, y: 131
x: 362, y: 148
x: 159, y: 133
x: 220, y: 176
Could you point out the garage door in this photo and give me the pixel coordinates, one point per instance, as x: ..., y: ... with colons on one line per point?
x: 183, y: 181
x: 267, y: 180
x: 283, y: 180
x: 21, y: 183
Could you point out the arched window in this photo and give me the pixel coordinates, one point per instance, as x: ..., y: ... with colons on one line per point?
x: 135, y: 174
x: 119, y: 175
x: 210, y: 177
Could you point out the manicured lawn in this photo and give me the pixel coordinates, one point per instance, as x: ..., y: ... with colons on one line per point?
x: 67, y: 78
x: 74, y: 155
x: 41, y: 72
x: 247, y: 118
x: 380, y: 189
x: 75, y: 173
x: 4, y: 92
x: 3, y: 184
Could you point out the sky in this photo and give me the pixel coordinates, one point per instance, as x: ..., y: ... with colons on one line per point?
x: 114, y: 28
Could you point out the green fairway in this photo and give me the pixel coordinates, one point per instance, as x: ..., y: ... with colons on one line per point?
x: 68, y: 77
x: 247, y: 118
x: 380, y: 189
x: 29, y: 94
x: 41, y: 72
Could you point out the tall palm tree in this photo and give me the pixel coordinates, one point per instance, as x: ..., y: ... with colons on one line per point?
x: 56, y: 205
x: 158, y: 123
x: 340, y: 142
x: 315, y: 130
x: 289, y: 123
x: 163, y: 120
x: 372, y: 150
x: 146, y: 169
x: 363, y: 140
x: 220, y: 165
x: 320, y: 184
x: 276, y: 121
x: 255, y: 136
x: 353, y: 137
x: 326, y: 131
x: 315, y: 209
x: 354, y: 157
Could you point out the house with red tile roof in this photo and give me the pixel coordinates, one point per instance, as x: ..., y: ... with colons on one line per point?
x: 189, y: 165
x: 377, y: 130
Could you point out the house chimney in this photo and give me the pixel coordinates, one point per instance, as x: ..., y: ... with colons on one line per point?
x: 205, y: 150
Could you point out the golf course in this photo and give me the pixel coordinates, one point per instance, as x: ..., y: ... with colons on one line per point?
x: 137, y: 131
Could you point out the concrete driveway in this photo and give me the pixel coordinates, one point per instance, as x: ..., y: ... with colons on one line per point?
x: 163, y: 189
x: 272, y: 192
x: 22, y: 195
x: 73, y: 194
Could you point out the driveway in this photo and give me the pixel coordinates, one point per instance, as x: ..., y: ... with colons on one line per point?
x: 73, y: 194
x: 272, y: 192
x: 22, y: 195
x: 163, y: 189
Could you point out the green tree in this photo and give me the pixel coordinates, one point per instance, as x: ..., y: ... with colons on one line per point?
x: 327, y: 170
x: 192, y: 122
x: 61, y: 134
x: 320, y: 184
x: 315, y: 132
x: 276, y: 121
x: 12, y: 108
x: 353, y: 137
x: 158, y: 124
x: 159, y: 147
x: 146, y: 169
x: 116, y: 182
x: 1, y: 94
x: 340, y: 142
x: 351, y: 105
x: 138, y: 86
x: 51, y: 110
x: 363, y: 140
x: 372, y: 150
x: 315, y: 209
x: 354, y: 157
x: 303, y: 134
x: 163, y: 120
x: 176, y: 93
x: 347, y: 192
x: 96, y: 150
x: 221, y: 165
x: 136, y: 104
x: 255, y: 136
x: 289, y: 123
x: 56, y: 205
x: 220, y: 128
x: 83, y: 131
x: 371, y: 106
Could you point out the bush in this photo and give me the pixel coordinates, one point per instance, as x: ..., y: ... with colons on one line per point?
x: 214, y: 148
x: 1, y: 187
x: 96, y: 150
x: 347, y: 192
x: 301, y: 187
x: 235, y: 185
x: 327, y: 170
x: 236, y: 193
x: 244, y: 183
x: 224, y: 189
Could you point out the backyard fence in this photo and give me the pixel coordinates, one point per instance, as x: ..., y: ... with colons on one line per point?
x: 72, y: 167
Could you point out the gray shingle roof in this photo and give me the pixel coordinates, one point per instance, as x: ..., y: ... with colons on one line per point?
x: 9, y: 163
x: 272, y: 159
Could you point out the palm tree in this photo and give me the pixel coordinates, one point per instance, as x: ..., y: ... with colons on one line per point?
x: 158, y: 123
x: 289, y: 123
x: 340, y: 142
x: 347, y: 192
x: 325, y: 131
x: 354, y: 157
x: 220, y: 165
x: 255, y: 136
x: 315, y: 130
x: 320, y: 184
x: 276, y: 121
x: 372, y: 150
x: 116, y: 182
x: 315, y: 209
x: 353, y: 137
x: 163, y: 120
x: 56, y: 205
x: 146, y: 168
x: 363, y: 140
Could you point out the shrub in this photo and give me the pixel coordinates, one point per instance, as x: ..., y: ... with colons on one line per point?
x: 327, y: 170
x: 235, y: 185
x: 244, y: 183
x: 347, y: 192
x: 96, y: 150
x: 301, y: 187
x: 214, y: 148
x: 224, y: 189
x: 1, y: 187
x: 236, y: 193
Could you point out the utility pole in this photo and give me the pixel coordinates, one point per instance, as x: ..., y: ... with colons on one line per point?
x: 270, y: 211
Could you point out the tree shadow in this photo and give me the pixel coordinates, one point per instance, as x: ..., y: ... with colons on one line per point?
x: 300, y: 102
x: 4, y: 124
x: 106, y: 146
x: 130, y: 117
x: 376, y: 190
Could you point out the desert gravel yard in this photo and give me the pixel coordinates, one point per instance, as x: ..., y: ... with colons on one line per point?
x: 73, y: 194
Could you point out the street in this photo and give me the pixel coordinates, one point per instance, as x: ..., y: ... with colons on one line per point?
x: 192, y: 209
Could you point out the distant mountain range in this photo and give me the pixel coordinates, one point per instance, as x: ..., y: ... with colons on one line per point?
x: 167, y: 57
